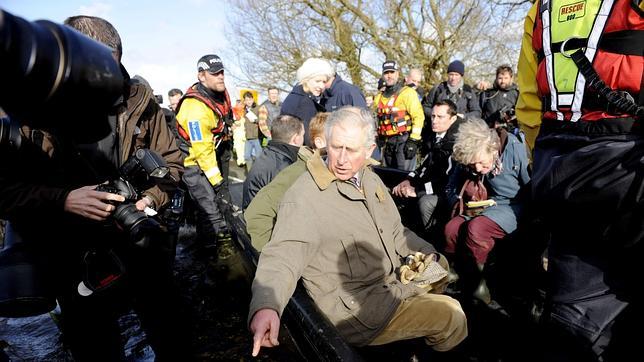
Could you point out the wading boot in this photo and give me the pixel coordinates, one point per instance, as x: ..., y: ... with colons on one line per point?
x: 481, y: 291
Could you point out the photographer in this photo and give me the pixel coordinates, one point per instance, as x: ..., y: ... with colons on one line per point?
x: 498, y: 102
x: 49, y: 194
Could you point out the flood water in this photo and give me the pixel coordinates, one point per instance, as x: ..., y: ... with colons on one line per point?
x: 215, y: 289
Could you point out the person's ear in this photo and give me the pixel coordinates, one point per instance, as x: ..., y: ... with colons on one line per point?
x: 319, y: 142
x: 370, y: 149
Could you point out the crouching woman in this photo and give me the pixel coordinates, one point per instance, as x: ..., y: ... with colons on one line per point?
x: 484, y: 188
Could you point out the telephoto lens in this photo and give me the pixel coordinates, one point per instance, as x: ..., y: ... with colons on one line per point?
x: 73, y: 81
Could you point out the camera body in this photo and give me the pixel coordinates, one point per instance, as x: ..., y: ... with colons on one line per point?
x: 507, y: 114
x: 137, y: 173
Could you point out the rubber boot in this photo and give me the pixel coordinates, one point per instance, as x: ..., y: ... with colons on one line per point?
x: 452, y: 276
x: 481, y: 291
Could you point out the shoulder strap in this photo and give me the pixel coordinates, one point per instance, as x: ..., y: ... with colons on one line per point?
x: 615, y: 98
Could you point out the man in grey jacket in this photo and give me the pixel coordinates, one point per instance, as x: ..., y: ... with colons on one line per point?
x: 339, y: 230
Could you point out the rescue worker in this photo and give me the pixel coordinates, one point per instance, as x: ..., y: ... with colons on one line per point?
x: 204, y: 116
x: 400, y: 120
x: 581, y: 63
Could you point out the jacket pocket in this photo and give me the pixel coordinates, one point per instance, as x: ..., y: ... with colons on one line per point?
x: 355, y: 264
x: 365, y: 317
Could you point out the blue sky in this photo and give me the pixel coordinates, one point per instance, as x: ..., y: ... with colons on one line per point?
x: 162, y: 40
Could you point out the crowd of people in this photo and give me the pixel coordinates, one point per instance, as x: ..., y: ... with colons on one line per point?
x: 317, y: 211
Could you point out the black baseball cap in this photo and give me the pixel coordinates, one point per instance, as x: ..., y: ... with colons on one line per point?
x: 210, y: 63
x: 389, y: 66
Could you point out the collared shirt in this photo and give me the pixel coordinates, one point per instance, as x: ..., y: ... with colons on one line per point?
x: 355, y: 180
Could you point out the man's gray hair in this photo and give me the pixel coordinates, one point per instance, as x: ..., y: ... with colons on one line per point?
x: 474, y: 137
x: 353, y: 115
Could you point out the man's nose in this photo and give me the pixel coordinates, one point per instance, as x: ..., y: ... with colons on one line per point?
x: 343, y: 156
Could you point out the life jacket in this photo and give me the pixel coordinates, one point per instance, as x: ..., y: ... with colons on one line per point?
x: 611, y: 34
x: 391, y: 119
x: 222, y: 111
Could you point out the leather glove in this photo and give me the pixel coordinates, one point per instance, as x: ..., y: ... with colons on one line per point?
x: 411, y: 147
x: 423, y: 269
x: 380, y: 141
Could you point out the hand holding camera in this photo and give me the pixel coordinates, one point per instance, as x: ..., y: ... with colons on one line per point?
x: 92, y: 203
x: 138, y: 173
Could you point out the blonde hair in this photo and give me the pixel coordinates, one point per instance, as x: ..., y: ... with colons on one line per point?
x: 474, y: 137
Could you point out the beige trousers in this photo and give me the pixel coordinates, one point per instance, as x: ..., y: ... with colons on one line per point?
x: 436, y: 317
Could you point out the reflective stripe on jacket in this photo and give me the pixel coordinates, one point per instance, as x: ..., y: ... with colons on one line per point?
x: 598, y: 27
x: 400, y: 114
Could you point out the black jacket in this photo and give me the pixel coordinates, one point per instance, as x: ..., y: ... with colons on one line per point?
x: 275, y: 157
x: 467, y: 102
x: 495, y: 99
x: 436, y: 163
x: 303, y: 106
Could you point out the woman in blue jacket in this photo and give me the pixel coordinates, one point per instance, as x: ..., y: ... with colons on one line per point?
x: 492, y: 166
x: 304, y: 100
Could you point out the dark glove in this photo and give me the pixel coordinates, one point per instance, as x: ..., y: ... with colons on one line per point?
x: 380, y: 141
x: 411, y: 148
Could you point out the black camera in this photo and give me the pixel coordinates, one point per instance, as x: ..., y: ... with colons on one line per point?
x: 138, y: 173
x: 158, y: 98
x: 504, y: 117
x: 55, y: 77
x: 507, y: 114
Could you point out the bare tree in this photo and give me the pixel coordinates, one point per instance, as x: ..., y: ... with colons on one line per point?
x: 273, y: 37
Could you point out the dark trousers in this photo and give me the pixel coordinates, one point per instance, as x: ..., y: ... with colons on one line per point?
x: 590, y: 190
x: 90, y: 324
x: 224, y: 155
x: 210, y: 219
x: 394, y: 153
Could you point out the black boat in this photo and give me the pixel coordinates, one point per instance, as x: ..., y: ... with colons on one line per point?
x: 493, y: 333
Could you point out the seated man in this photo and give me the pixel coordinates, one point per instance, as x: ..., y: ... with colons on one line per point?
x: 339, y: 230
x: 288, y: 136
x: 428, y: 182
x: 261, y: 213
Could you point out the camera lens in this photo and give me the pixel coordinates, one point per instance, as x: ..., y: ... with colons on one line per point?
x: 136, y: 223
x: 64, y: 73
